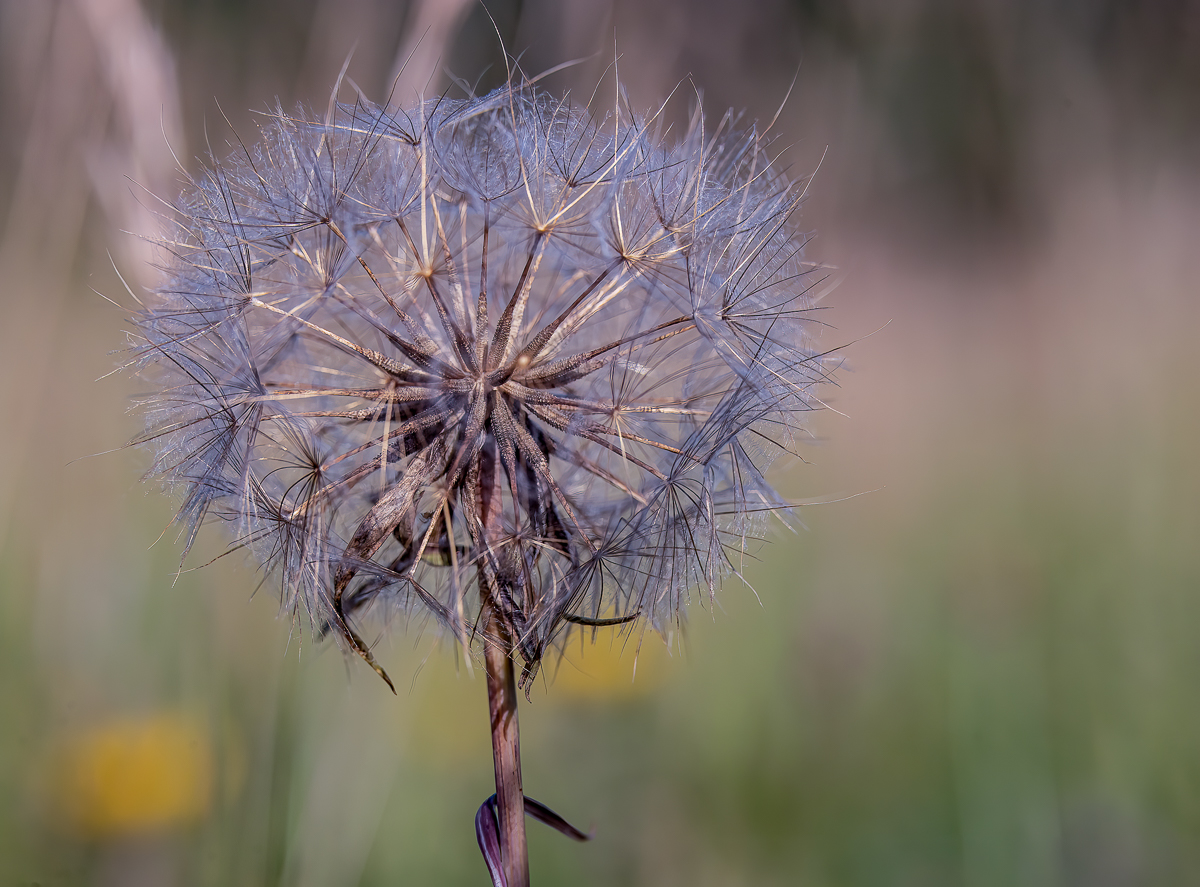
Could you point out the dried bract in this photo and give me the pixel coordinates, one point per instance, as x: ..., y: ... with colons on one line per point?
x: 499, y: 360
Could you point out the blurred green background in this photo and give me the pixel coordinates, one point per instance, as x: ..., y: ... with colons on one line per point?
x: 983, y: 670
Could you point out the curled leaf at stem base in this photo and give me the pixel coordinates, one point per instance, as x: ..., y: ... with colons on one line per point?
x: 487, y: 832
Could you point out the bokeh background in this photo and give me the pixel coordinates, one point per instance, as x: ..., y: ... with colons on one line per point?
x: 979, y: 664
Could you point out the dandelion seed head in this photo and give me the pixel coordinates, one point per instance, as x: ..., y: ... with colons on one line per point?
x: 500, y: 356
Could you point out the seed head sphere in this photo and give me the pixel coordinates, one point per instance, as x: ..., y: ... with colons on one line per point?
x: 503, y: 361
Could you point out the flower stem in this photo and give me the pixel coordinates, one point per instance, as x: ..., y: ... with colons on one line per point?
x: 506, y: 753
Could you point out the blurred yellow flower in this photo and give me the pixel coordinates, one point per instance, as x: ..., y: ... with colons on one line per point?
x: 616, y: 670
x: 133, y: 775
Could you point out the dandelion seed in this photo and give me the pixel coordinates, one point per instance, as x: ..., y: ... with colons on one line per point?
x: 500, y: 360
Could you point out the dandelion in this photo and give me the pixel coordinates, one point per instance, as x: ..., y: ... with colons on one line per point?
x: 504, y: 361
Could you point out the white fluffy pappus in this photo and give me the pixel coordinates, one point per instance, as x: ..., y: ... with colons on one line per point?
x: 501, y: 360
